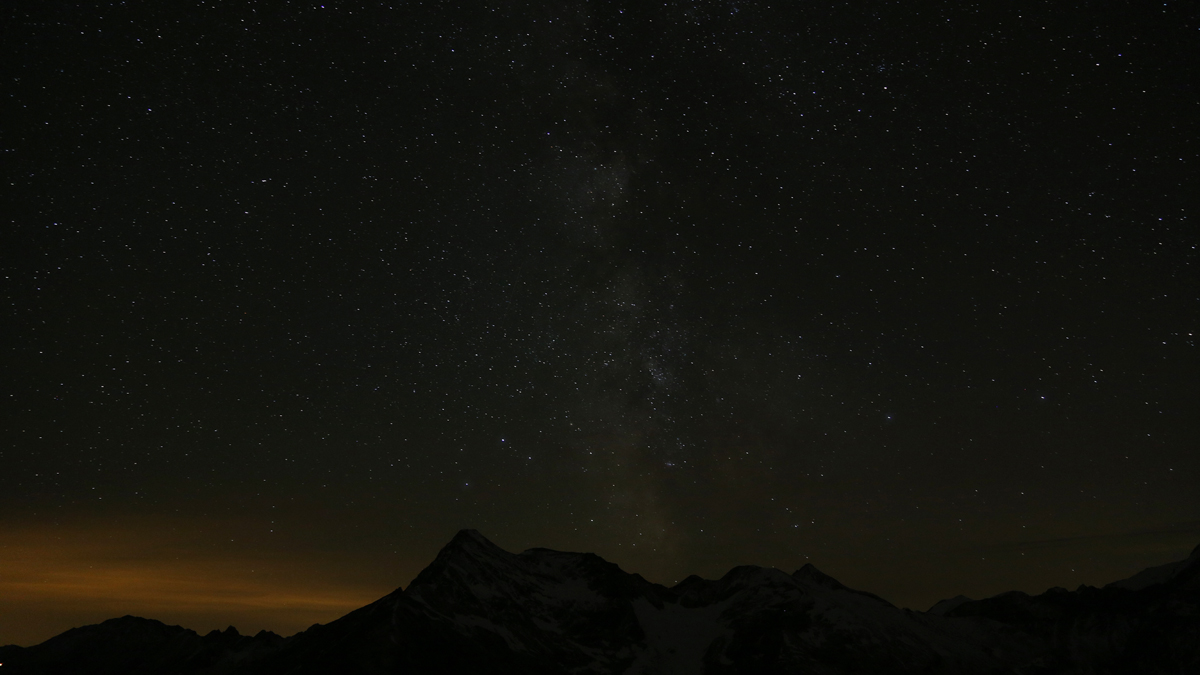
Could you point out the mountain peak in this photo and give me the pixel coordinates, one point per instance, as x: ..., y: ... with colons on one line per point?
x: 472, y: 544
x: 469, y: 552
x: 811, y: 573
x: 470, y: 537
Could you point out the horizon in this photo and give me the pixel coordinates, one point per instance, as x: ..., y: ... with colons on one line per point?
x: 238, y: 609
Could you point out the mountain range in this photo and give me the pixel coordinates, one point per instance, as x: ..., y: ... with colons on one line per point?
x: 479, y: 609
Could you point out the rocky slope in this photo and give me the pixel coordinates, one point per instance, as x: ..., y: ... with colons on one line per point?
x: 480, y: 609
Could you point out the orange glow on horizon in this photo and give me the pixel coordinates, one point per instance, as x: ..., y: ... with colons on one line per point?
x: 53, y: 578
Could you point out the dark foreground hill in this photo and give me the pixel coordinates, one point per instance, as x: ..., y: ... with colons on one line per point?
x: 479, y: 609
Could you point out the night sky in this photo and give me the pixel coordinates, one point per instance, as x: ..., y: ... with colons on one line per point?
x: 292, y: 292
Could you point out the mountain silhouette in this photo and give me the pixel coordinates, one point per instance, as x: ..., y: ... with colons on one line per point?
x: 480, y: 609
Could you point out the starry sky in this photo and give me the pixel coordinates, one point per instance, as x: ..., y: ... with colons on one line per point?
x: 291, y: 292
